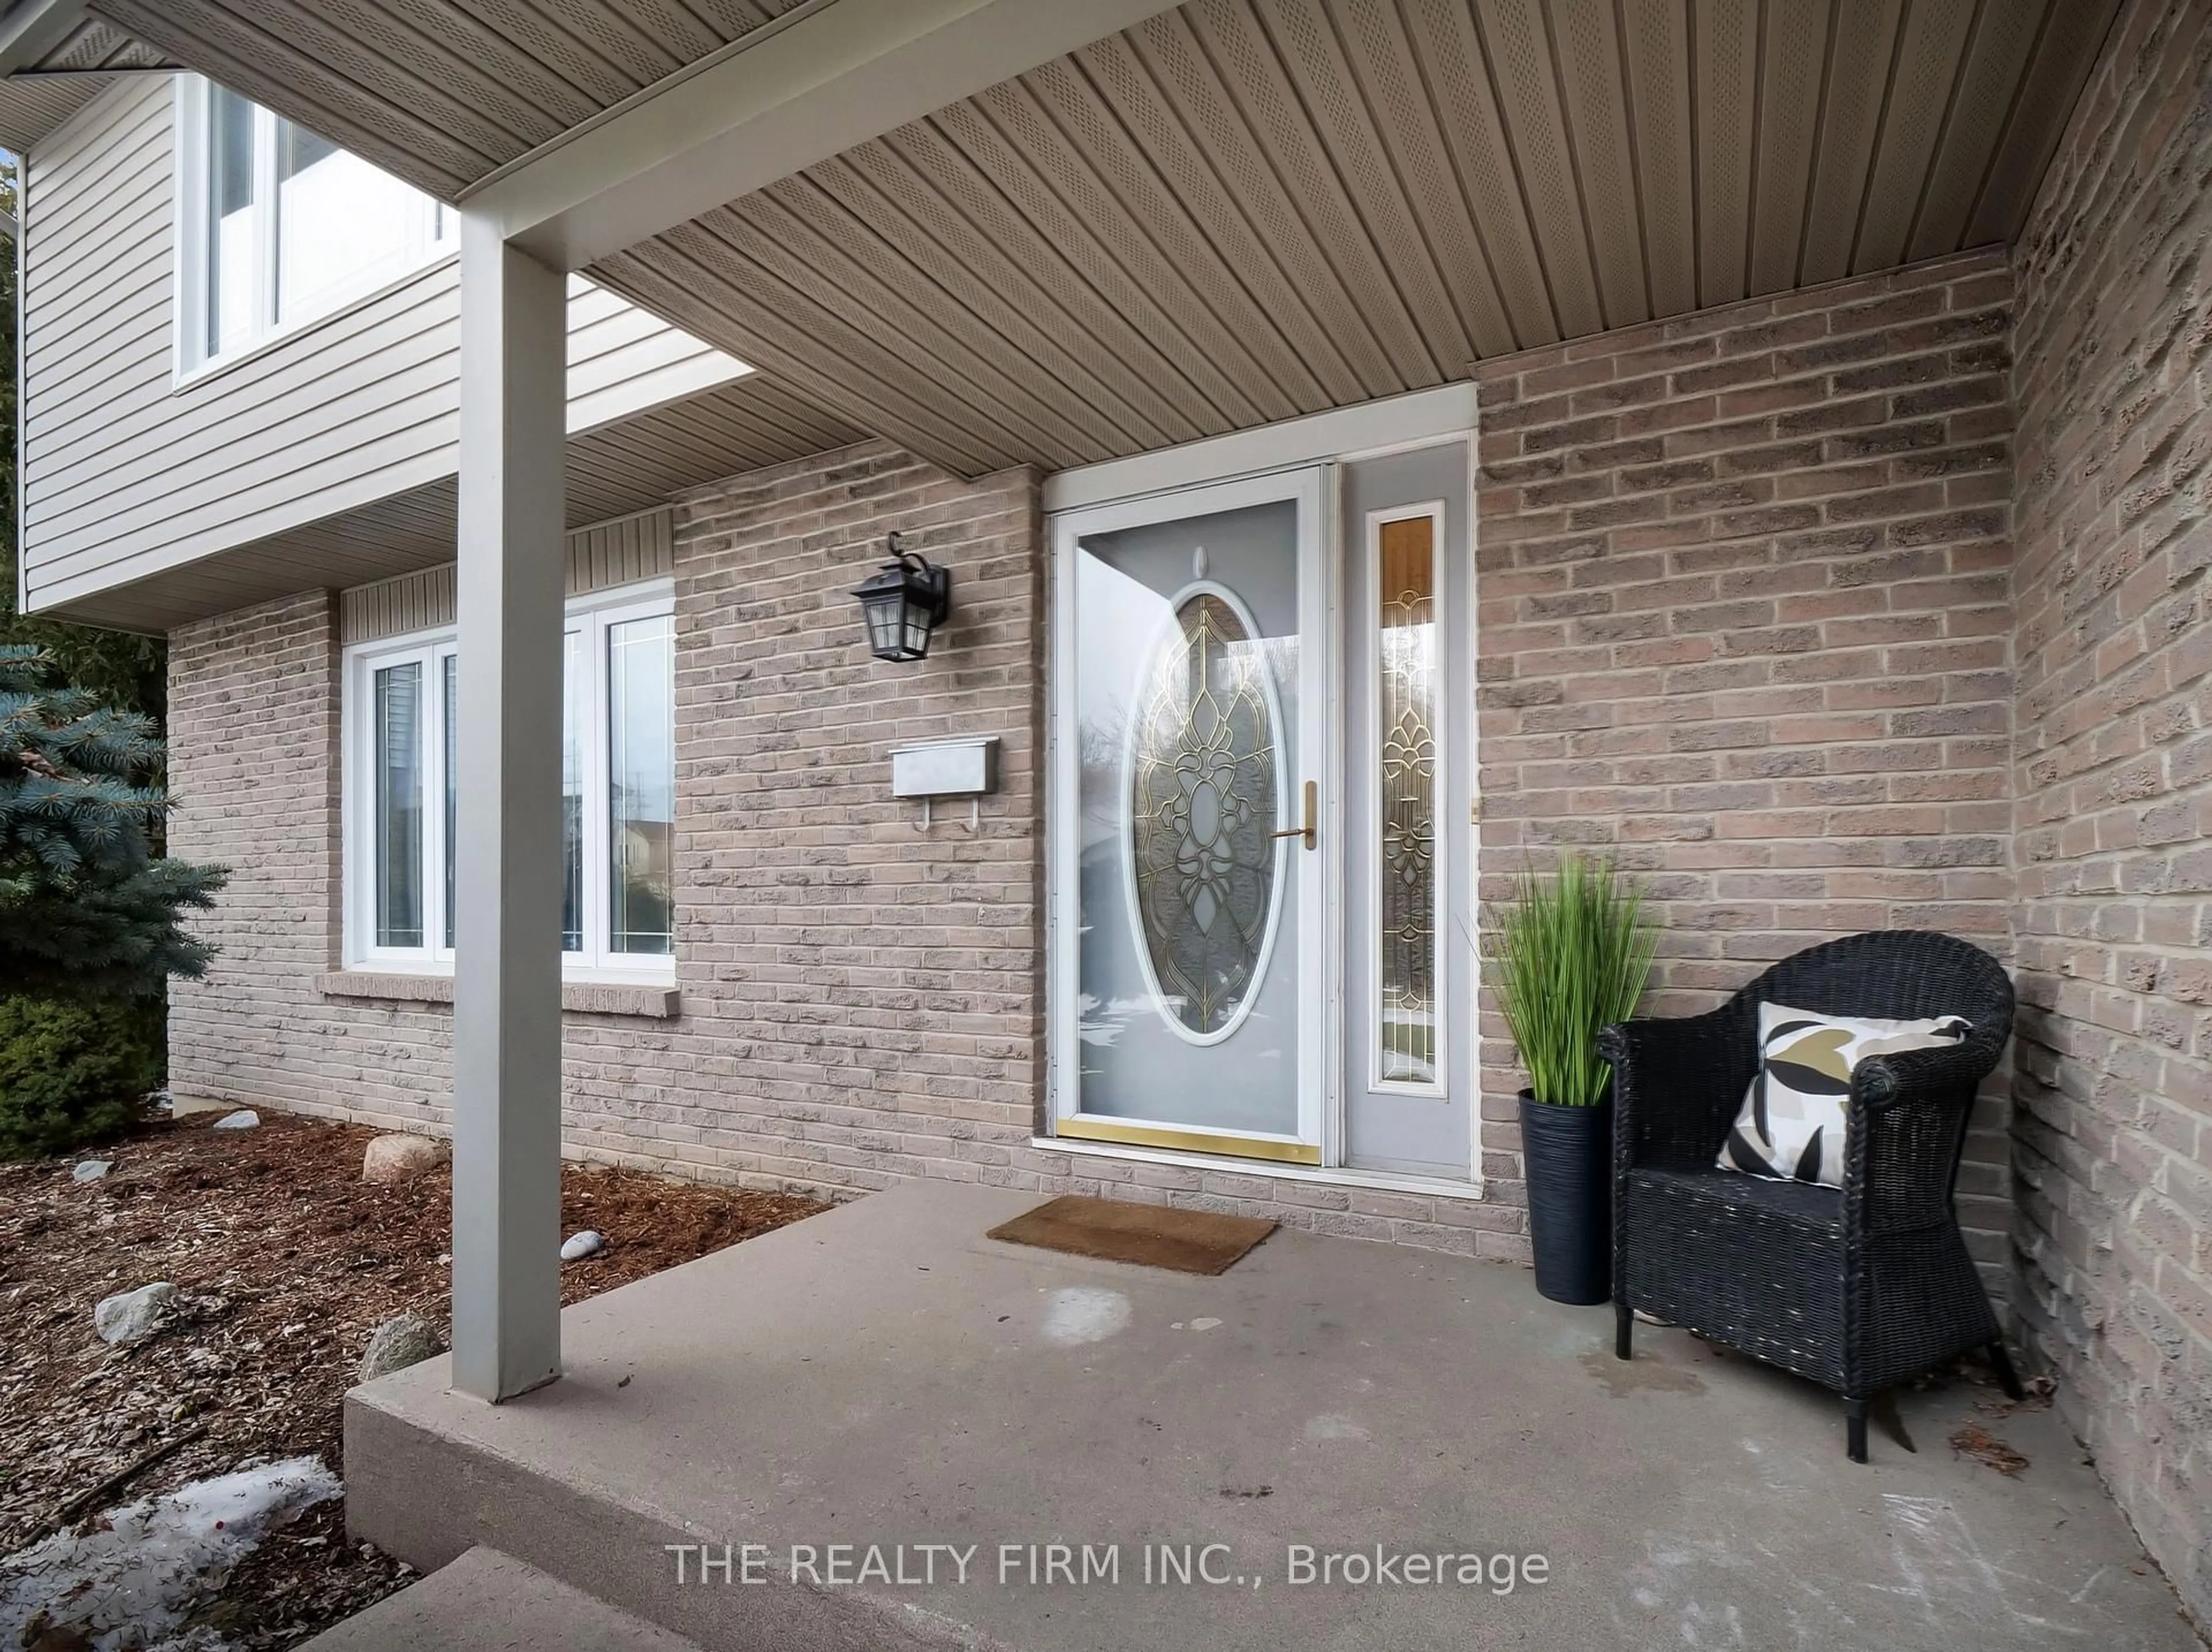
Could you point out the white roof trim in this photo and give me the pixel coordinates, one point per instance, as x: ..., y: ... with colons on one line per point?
x: 1392, y: 422
x: 34, y: 29
x: 824, y: 77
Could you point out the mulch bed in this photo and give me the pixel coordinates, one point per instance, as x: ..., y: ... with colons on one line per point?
x: 286, y: 1262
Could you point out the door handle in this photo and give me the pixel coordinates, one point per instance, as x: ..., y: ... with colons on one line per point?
x: 1311, y: 830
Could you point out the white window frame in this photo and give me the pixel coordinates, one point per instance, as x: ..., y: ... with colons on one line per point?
x: 436, y: 236
x: 427, y: 650
x: 595, y: 617
x: 1443, y: 729
x: 591, y: 616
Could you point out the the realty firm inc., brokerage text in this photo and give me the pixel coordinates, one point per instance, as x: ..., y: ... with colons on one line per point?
x: 1107, y: 1565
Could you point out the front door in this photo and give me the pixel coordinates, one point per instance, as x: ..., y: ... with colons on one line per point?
x: 1191, y: 756
x: 1260, y: 876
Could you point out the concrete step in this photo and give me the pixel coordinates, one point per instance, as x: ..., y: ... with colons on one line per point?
x: 487, y: 1601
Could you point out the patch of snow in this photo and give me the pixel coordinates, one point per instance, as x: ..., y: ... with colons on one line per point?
x: 128, y: 1588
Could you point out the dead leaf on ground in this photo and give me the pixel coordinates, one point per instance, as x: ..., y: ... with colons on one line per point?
x: 1976, y: 1442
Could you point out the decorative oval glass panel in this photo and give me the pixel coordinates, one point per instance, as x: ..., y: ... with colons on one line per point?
x: 1203, y: 803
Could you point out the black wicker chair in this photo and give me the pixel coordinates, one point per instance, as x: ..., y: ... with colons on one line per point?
x: 1854, y: 1289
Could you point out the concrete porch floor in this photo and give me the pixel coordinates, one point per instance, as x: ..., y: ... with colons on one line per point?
x: 882, y: 1374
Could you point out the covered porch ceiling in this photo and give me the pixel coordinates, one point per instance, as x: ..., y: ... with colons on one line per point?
x: 57, y: 59
x: 1227, y: 213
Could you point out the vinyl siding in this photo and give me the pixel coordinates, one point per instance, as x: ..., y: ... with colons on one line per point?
x: 128, y: 473
x: 601, y: 557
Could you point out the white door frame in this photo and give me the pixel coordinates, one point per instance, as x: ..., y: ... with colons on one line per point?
x: 1167, y: 482
x: 1312, y: 490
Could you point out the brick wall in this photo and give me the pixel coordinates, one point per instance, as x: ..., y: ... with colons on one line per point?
x: 2113, y: 1101
x: 862, y: 999
x: 1743, y: 580
x: 859, y: 998
x: 253, y: 744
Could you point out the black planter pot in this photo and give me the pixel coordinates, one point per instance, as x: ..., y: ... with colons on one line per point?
x: 1569, y: 1152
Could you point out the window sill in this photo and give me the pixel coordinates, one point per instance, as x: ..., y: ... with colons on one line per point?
x: 651, y: 1000
x: 185, y: 376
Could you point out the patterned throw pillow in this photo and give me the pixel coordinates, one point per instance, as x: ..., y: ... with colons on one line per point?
x: 1791, y: 1127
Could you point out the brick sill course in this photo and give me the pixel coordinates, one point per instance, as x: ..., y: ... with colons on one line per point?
x: 643, y: 999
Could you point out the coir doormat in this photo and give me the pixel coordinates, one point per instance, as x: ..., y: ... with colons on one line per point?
x: 1153, y: 1235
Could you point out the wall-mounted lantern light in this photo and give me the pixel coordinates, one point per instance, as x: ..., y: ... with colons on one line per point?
x: 902, y: 602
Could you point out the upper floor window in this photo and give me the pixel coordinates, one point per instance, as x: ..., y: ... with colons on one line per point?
x: 280, y: 226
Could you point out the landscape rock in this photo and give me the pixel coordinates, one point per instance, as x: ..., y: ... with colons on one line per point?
x: 91, y: 1170
x: 131, y: 1316
x: 245, y: 1119
x: 401, y: 1158
x: 589, y: 1242
x: 404, y: 1340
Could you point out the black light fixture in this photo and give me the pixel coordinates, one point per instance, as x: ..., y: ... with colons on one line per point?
x: 902, y: 602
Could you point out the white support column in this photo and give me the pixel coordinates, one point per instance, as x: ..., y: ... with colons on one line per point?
x: 506, y: 1008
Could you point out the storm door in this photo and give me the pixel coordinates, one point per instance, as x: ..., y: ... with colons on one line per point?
x: 1190, y: 666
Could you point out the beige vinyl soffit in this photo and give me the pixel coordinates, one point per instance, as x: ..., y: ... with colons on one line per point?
x: 602, y: 557
x: 1241, y: 211
x: 795, y: 90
